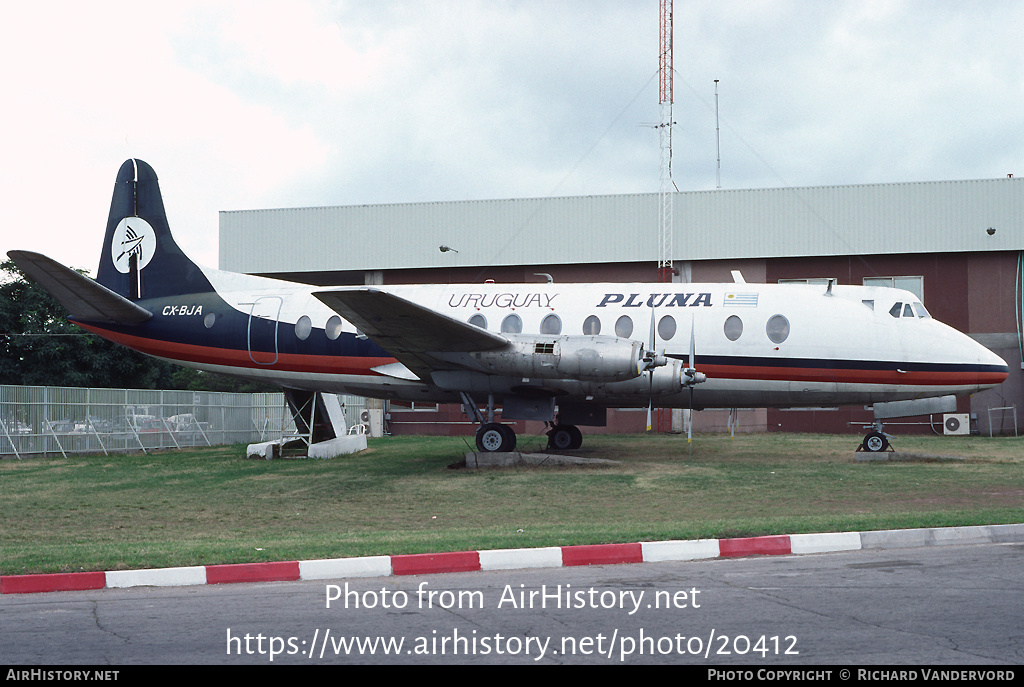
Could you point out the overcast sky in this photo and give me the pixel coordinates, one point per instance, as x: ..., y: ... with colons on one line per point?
x: 243, y: 105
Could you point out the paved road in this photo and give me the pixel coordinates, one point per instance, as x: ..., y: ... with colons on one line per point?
x: 923, y: 606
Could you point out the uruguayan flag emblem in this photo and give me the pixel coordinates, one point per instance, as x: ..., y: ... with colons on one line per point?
x: 741, y: 300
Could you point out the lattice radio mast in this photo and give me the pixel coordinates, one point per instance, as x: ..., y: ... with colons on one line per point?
x: 666, y: 194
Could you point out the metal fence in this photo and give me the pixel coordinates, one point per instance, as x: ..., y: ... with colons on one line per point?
x: 43, y: 419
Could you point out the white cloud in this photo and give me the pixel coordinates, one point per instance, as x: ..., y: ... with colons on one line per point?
x: 269, y: 104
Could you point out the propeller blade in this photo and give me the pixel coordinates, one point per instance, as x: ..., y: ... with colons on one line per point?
x: 693, y: 375
x: 693, y: 345
x: 689, y: 425
x: 651, y: 337
x: 650, y: 373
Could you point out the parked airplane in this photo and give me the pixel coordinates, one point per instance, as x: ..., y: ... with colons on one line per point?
x: 560, y: 353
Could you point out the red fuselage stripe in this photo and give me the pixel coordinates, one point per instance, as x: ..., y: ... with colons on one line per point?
x: 229, y: 357
x: 355, y: 365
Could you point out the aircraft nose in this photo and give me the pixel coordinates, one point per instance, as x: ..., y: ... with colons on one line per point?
x: 992, y: 370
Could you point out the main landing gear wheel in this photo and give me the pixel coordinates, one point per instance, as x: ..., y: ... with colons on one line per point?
x: 565, y: 437
x: 495, y: 437
x: 875, y: 442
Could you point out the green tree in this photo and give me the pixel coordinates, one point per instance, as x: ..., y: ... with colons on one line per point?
x: 198, y: 380
x: 40, y: 347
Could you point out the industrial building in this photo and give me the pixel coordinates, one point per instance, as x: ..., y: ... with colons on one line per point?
x: 957, y: 244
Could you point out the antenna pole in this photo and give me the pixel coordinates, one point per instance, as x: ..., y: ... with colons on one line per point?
x: 718, y: 142
x: 666, y: 194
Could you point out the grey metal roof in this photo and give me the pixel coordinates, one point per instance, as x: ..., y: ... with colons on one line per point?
x: 919, y: 217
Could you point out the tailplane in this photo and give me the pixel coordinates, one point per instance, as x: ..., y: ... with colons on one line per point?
x: 140, y: 259
x: 85, y: 300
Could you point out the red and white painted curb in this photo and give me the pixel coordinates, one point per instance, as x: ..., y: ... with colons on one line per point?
x: 511, y: 559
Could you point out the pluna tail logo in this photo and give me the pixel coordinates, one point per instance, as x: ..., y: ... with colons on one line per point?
x: 133, y: 236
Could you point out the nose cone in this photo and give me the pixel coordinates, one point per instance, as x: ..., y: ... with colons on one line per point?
x: 992, y: 370
x: 963, y: 366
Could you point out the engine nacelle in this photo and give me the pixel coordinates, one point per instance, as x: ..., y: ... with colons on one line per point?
x: 589, y: 358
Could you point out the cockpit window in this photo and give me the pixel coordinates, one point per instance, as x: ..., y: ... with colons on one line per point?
x: 916, y: 309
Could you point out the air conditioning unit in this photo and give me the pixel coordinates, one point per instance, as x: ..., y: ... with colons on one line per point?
x: 956, y: 423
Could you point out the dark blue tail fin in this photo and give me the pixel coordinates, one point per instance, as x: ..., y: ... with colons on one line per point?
x: 140, y: 259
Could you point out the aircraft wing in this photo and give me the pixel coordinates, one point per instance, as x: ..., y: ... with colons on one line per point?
x: 84, y: 298
x: 408, y: 331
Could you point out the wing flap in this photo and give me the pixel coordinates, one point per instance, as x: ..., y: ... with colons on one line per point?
x: 85, y: 299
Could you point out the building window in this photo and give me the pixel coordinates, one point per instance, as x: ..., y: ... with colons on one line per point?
x: 414, y: 406
x: 813, y: 280
x: 914, y: 285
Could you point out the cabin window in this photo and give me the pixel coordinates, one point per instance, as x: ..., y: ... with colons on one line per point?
x: 733, y: 327
x: 778, y: 328
x: 333, y: 327
x: 478, y: 320
x: 512, y: 324
x: 667, y: 327
x: 908, y: 311
x: 869, y: 304
x: 209, y: 320
x: 624, y: 327
x: 551, y: 324
x: 921, y: 310
x: 896, y: 310
x: 592, y: 326
x: 303, y: 327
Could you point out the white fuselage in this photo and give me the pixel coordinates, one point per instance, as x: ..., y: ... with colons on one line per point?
x: 759, y: 344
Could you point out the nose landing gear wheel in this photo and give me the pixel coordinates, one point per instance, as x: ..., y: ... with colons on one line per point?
x: 875, y: 442
x: 495, y: 437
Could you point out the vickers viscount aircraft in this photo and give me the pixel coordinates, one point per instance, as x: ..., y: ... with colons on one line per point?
x: 560, y: 353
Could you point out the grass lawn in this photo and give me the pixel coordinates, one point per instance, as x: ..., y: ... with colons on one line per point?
x: 211, y: 506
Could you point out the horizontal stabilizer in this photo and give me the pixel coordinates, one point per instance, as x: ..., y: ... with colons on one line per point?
x: 85, y: 299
